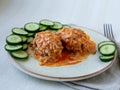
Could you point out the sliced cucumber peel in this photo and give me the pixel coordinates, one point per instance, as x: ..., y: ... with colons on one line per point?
x: 43, y: 27
x: 57, y: 25
x: 25, y: 46
x: 13, y: 39
x: 105, y: 42
x: 19, y: 31
x: 32, y: 27
x: 66, y: 26
x: 106, y: 58
x: 46, y: 22
x: 19, y: 54
x: 107, y: 49
x: 30, y: 39
x: 13, y: 47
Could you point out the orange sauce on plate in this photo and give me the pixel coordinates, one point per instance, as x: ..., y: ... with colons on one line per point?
x: 67, y: 58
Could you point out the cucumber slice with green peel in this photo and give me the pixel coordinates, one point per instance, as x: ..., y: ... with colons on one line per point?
x: 46, y: 22
x: 31, y: 27
x: 53, y: 31
x: 107, y: 49
x: 25, y: 46
x: 105, y: 42
x: 106, y: 58
x: 20, y: 54
x: 13, y: 47
x: 66, y: 26
x: 57, y: 25
x: 13, y: 39
x: 24, y: 38
x: 31, y: 34
x: 19, y: 31
x: 42, y: 27
x: 30, y: 39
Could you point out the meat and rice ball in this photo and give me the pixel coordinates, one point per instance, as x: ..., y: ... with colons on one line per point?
x: 48, y: 47
x: 74, y: 39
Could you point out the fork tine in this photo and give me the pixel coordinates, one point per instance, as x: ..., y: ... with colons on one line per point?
x: 105, y: 30
x: 110, y: 26
x: 108, y: 32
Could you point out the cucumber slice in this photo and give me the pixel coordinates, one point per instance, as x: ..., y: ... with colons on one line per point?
x: 53, y: 31
x: 106, y: 58
x: 105, y: 42
x: 24, y: 38
x: 30, y: 39
x: 13, y: 39
x: 42, y: 27
x: 13, y: 47
x: 31, y: 34
x: 66, y: 26
x: 107, y: 49
x: 46, y: 22
x: 19, y: 31
x: 19, y: 54
x: 32, y: 27
x: 25, y: 46
x: 57, y: 25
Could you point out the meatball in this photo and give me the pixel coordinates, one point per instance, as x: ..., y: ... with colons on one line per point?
x: 74, y: 39
x: 48, y: 47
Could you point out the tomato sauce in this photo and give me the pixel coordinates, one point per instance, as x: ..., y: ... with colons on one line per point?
x: 67, y: 58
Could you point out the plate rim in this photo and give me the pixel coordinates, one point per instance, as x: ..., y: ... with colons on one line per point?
x: 53, y: 78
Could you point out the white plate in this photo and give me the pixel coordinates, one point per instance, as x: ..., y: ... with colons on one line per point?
x: 90, y: 67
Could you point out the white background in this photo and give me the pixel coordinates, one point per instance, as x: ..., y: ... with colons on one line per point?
x: 15, y: 13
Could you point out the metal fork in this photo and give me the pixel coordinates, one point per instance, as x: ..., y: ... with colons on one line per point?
x: 108, y: 32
